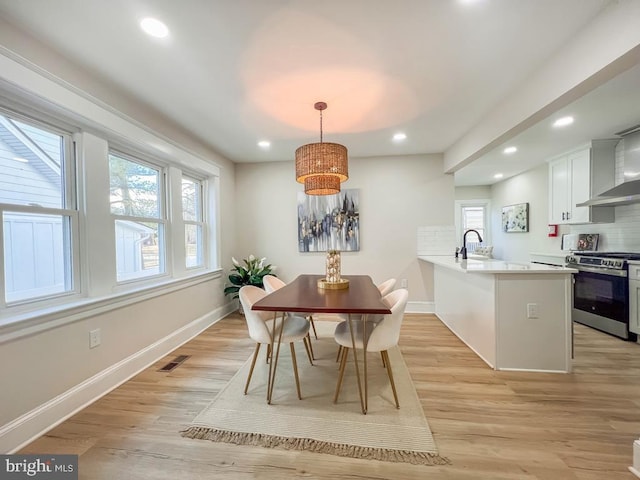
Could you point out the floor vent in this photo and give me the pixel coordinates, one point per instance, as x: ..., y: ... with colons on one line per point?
x: 174, y: 363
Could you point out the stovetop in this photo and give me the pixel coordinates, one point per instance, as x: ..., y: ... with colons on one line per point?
x: 602, y: 260
x: 620, y: 255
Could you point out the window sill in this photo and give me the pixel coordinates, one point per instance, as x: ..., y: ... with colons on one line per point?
x: 13, y: 326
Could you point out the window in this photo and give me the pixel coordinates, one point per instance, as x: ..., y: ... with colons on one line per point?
x: 473, y: 214
x: 192, y: 216
x: 85, y: 219
x: 38, y: 208
x: 136, y: 198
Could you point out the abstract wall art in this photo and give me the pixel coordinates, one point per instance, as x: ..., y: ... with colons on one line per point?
x: 515, y: 218
x: 329, y: 222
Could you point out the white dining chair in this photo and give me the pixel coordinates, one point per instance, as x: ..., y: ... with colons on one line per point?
x: 379, y: 339
x: 261, y: 330
x: 384, y: 288
x: 273, y: 283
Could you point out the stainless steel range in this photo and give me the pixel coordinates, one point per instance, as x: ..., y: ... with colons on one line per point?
x: 601, y: 291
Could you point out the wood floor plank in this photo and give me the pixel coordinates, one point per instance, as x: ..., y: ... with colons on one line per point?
x: 491, y: 425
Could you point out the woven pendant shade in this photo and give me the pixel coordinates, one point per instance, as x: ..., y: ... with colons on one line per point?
x: 321, y: 185
x: 321, y: 159
x: 321, y: 166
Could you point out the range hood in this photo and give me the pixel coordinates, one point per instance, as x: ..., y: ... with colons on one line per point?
x: 627, y: 192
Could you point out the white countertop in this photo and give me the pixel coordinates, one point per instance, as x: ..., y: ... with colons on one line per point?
x: 473, y: 265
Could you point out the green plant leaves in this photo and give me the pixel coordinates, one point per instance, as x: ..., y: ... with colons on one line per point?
x: 252, y: 273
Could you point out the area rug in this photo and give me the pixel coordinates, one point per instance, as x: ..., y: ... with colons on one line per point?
x: 315, y: 423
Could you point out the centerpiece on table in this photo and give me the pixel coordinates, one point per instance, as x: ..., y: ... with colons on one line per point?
x: 250, y: 272
x: 332, y: 279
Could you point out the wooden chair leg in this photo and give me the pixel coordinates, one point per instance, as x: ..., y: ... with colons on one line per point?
x: 253, y: 364
x: 295, y: 369
x: 307, y: 346
x: 339, y: 352
x: 384, y: 365
x: 313, y: 325
x: 268, y: 357
x: 343, y: 363
x: 390, y: 373
x: 313, y: 357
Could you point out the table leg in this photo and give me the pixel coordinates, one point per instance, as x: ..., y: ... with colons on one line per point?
x: 275, y: 362
x: 364, y: 353
x: 355, y: 360
x: 270, y: 359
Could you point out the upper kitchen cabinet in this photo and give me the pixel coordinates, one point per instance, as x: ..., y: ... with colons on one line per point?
x: 577, y: 176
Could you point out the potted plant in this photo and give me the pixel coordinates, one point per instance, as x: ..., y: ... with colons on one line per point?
x: 250, y: 272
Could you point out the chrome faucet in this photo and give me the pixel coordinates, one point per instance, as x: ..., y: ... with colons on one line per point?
x: 463, y: 250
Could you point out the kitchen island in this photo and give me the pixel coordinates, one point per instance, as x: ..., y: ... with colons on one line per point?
x: 513, y: 315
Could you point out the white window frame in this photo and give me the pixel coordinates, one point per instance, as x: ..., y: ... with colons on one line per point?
x: 69, y: 209
x: 162, y: 219
x: 92, y: 232
x: 460, y: 205
x: 198, y: 222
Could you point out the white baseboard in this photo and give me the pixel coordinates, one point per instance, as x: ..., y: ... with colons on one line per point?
x: 420, y: 307
x: 26, y: 428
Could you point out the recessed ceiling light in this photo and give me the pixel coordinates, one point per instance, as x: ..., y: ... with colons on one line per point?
x: 498, y: 175
x: 631, y: 174
x: 264, y: 144
x: 563, y: 122
x: 20, y: 159
x: 398, y: 137
x: 154, y: 27
x: 510, y: 150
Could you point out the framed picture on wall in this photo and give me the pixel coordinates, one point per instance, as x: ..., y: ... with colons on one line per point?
x: 329, y: 222
x: 515, y: 218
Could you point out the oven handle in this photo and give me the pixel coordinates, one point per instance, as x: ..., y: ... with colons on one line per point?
x: 601, y: 271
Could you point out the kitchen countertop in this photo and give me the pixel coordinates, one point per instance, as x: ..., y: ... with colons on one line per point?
x: 474, y: 265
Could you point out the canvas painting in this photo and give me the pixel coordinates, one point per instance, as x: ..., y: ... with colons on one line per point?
x: 329, y: 222
x: 515, y: 218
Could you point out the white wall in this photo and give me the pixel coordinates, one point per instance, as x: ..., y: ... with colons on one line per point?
x: 531, y: 187
x: 397, y: 195
x: 51, y: 372
x: 477, y: 192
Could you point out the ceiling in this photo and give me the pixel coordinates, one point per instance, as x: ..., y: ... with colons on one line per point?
x: 233, y: 73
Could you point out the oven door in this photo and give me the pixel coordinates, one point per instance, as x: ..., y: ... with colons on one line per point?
x: 601, y: 300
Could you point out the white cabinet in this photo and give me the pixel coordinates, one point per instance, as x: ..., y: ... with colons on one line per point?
x: 634, y: 297
x: 577, y: 176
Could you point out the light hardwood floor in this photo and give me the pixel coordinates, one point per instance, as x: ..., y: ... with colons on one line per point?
x: 491, y: 425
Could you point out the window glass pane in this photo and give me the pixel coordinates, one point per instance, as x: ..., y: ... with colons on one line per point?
x: 191, y: 210
x: 139, y: 247
x: 37, y: 258
x: 135, y: 188
x: 30, y: 165
x: 193, y: 245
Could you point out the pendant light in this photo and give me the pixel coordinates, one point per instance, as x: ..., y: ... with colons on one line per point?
x: 323, y: 166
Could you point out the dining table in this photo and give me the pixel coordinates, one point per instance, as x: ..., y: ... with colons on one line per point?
x: 305, y: 295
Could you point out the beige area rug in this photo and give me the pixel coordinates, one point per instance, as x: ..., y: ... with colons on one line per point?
x: 315, y: 423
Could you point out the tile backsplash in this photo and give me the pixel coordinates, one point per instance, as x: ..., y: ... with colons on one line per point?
x: 624, y: 234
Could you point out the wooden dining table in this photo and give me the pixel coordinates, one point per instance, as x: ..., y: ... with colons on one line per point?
x: 303, y: 295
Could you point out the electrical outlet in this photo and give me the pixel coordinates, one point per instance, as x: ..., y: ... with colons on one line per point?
x: 94, y: 338
x: 404, y: 283
x: 532, y: 310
